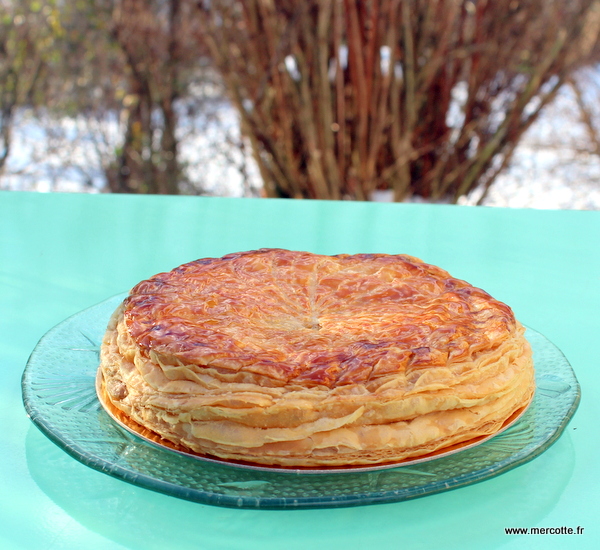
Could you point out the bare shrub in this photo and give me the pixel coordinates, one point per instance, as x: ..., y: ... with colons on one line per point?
x: 23, y: 62
x: 113, y: 95
x: 340, y: 98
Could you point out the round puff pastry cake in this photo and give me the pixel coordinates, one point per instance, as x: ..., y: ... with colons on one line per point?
x: 294, y: 359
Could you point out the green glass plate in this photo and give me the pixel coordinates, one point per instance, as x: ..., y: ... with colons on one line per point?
x: 60, y: 398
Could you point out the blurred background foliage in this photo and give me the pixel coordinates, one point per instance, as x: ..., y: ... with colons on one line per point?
x: 325, y: 99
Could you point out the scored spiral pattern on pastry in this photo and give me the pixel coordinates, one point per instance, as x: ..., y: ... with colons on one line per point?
x: 303, y: 360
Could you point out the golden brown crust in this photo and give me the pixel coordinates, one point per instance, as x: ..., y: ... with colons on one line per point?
x: 291, y: 358
x: 314, y: 319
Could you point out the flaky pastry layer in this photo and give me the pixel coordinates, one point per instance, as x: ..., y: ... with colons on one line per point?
x: 294, y: 359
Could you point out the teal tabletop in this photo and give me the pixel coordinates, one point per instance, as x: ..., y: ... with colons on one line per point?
x: 61, y: 254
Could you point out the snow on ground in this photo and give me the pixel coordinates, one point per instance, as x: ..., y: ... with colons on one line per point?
x: 549, y: 168
x: 546, y: 171
x: 547, y: 180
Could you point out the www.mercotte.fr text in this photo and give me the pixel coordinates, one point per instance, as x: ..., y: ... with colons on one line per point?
x: 544, y: 530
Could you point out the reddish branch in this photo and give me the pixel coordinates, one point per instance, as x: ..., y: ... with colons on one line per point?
x: 427, y: 97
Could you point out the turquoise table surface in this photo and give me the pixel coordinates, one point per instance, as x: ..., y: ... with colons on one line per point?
x: 62, y: 253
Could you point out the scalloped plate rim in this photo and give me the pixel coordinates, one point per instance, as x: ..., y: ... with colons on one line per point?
x: 141, y: 479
